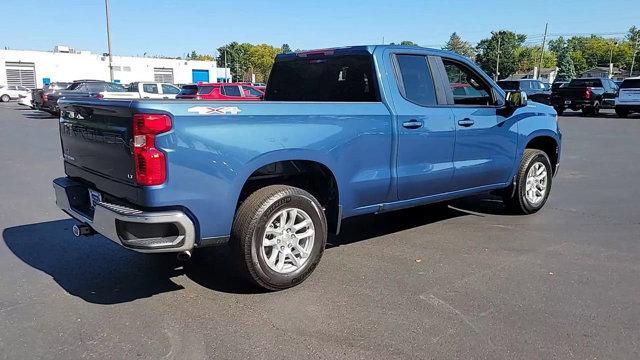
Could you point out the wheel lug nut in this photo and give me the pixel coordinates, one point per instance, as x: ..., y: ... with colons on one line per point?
x: 281, y: 247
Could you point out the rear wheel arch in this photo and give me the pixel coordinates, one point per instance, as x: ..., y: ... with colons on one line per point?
x: 310, y: 175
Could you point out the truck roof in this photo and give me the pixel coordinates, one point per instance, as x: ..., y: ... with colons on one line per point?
x: 359, y: 50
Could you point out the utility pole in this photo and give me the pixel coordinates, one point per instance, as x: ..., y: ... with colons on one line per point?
x: 106, y: 8
x: 226, y: 69
x: 611, y: 59
x: 544, y: 40
x: 495, y: 78
x: 633, y: 59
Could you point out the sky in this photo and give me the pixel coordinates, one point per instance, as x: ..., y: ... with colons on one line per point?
x: 174, y: 28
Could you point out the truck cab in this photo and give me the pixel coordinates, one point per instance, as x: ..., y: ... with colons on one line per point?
x: 342, y: 132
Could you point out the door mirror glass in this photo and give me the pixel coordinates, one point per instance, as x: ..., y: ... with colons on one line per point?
x: 516, y: 99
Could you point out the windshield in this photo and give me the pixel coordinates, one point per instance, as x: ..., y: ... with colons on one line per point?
x: 630, y: 84
x: 327, y: 78
x: 585, y: 83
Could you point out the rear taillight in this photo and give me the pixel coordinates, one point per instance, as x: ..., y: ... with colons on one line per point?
x: 587, y: 93
x: 99, y: 96
x: 150, y: 164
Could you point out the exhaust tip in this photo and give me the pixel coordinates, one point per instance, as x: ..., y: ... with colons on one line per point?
x: 184, y: 256
x: 82, y: 230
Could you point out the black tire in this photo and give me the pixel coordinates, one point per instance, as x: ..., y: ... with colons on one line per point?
x: 5, y: 98
x: 251, y: 223
x: 559, y: 110
x: 623, y: 113
x: 516, y: 200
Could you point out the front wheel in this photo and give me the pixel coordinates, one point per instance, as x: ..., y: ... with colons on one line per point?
x: 533, y: 183
x: 5, y: 98
x: 279, y: 235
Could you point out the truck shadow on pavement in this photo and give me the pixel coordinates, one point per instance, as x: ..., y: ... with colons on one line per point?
x: 102, y: 272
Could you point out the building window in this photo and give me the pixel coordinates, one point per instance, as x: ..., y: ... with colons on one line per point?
x: 163, y: 75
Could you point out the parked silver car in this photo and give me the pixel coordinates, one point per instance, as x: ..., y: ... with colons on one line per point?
x: 12, y: 92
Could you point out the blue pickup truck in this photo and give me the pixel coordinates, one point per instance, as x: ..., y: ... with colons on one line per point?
x: 342, y: 132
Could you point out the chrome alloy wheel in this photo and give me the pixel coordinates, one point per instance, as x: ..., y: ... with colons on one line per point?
x: 537, y: 180
x: 288, y: 240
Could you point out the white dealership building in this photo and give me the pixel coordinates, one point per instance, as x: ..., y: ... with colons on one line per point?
x: 36, y: 68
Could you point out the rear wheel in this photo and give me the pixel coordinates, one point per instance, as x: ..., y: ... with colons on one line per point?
x: 5, y: 98
x: 279, y: 235
x: 623, y: 113
x: 591, y: 110
x: 533, y: 183
x: 559, y: 110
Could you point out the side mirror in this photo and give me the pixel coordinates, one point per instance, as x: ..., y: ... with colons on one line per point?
x: 516, y: 99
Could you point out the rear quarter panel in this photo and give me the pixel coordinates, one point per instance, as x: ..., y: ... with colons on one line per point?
x: 210, y: 156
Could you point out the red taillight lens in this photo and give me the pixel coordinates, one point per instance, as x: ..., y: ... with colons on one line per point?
x: 587, y: 93
x: 150, y: 163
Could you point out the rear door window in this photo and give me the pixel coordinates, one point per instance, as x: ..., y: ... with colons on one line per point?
x: 585, y: 83
x: 231, y: 90
x: 414, y: 79
x: 150, y: 88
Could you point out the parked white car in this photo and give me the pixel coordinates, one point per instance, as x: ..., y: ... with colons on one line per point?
x: 628, y: 99
x: 12, y: 92
x: 154, y: 90
x: 26, y: 99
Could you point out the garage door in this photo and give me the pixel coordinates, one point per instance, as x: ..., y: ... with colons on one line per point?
x: 199, y: 75
x: 163, y: 75
x: 21, y: 74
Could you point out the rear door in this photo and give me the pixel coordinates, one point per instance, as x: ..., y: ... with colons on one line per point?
x: 151, y: 91
x: 485, y: 145
x: 231, y: 92
x: 426, y: 131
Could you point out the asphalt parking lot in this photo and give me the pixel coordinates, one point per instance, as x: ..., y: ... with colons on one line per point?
x: 466, y: 281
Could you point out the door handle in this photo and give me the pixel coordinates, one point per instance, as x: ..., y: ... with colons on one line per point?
x: 466, y: 122
x: 412, y: 124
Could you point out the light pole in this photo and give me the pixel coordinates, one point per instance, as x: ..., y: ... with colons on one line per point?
x: 613, y: 44
x: 498, y: 59
x: 544, y: 40
x: 106, y: 8
x: 633, y: 59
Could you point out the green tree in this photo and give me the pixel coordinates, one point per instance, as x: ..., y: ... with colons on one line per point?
x: 457, y: 45
x: 529, y: 58
x: 488, y: 52
x: 195, y: 56
x: 237, y: 59
x: 286, y: 49
x: 261, y: 58
x: 566, y: 70
x: 405, y: 43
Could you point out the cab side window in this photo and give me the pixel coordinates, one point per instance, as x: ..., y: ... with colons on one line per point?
x: 150, y: 88
x: 414, y: 79
x: 476, y: 91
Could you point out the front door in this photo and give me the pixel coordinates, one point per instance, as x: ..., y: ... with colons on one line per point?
x: 485, y: 146
x: 426, y: 132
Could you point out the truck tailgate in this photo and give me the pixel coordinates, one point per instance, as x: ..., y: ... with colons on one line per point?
x: 96, y: 137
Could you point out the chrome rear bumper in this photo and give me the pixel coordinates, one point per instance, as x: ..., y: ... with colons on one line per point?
x: 142, y: 231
